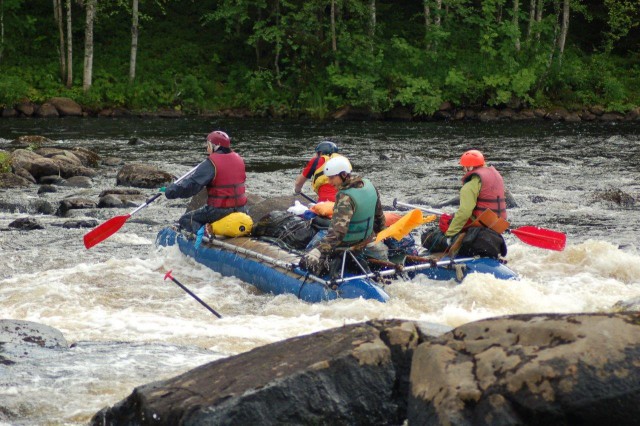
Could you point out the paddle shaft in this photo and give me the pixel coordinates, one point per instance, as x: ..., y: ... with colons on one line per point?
x: 190, y: 293
x: 303, y: 195
x: 111, y: 226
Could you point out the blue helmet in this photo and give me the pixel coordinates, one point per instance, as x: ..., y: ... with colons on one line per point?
x: 327, y: 148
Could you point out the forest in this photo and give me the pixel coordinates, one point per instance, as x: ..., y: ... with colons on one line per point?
x: 287, y: 58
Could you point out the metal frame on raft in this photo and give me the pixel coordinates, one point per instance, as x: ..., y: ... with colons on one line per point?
x: 329, y: 283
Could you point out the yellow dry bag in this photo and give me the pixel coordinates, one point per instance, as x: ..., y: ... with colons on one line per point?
x: 233, y: 225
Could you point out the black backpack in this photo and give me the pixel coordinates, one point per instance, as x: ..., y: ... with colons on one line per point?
x: 481, y: 241
x: 285, y: 227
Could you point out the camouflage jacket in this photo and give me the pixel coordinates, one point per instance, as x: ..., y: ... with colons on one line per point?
x: 342, y: 212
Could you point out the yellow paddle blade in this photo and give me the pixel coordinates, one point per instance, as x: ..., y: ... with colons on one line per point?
x: 404, y: 225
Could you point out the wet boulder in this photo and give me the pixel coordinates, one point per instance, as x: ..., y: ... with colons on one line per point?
x: 79, y: 182
x: 30, y: 141
x: 343, y: 376
x: 44, y: 189
x: 10, y: 180
x: 66, y: 106
x: 530, y: 369
x: 73, y: 204
x: 39, y: 166
x: 25, y: 339
x: 120, y: 200
x: 26, y: 224
x: 80, y: 223
x: 46, y: 110
x: 142, y: 176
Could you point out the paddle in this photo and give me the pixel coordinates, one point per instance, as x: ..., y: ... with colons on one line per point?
x: 404, y: 225
x: 303, y: 195
x: 168, y: 275
x: 111, y: 226
x: 532, y: 235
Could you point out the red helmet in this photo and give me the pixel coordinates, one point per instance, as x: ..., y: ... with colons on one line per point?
x: 472, y: 158
x: 218, y: 137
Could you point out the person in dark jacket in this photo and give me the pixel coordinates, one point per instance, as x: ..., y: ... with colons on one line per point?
x: 223, y: 174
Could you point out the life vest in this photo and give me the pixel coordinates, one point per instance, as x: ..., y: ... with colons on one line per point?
x: 318, y: 179
x: 227, y: 190
x: 361, y: 224
x: 491, y: 192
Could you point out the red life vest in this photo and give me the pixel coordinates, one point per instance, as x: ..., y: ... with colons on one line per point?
x: 491, y: 192
x: 227, y: 190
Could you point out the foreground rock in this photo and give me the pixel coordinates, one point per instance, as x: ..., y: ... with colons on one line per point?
x: 580, y: 369
x: 348, y: 375
x: 530, y: 369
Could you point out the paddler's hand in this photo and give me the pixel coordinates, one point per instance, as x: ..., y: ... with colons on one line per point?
x: 311, y: 260
x: 163, y: 189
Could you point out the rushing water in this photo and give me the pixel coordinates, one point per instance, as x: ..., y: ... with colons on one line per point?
x: 131, y: 327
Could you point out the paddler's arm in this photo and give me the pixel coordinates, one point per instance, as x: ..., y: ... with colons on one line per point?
x: 468, y: 198
x: 204, y: 173
x: 342, y: 213
x: 379, y: 221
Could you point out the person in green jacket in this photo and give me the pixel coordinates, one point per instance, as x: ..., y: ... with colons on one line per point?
x: 357, y: 214
x: 482, y: 188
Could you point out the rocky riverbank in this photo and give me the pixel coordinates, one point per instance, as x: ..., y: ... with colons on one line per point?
x: 62, y: 107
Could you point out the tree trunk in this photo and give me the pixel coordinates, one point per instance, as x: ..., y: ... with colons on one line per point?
x: 532, y: 17
x: 372, y: 19
x: 69, y: 47
x: 1, y: 29
x: 539, y: 8
x: 438, y: 19
x: 566, y: 9
x: 427, y: 16
x: 516, y: 23
x: 88, y: 45
x: 334, y: 38
x: 134, y: 41
x: 57, y: 12
x: 278, y: 46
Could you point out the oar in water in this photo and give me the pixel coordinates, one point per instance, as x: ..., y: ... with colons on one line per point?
x: 532, y: 235
x: 190, y: 293
x: 111, y: 226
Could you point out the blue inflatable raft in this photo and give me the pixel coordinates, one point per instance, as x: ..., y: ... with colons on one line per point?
x: 274, y: 270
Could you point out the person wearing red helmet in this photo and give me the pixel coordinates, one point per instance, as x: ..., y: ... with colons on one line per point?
x: 223, y: 174
x: 314, y: 170
x: 482, y: 188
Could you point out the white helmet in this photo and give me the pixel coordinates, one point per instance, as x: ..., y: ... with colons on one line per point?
x: 337, y: 165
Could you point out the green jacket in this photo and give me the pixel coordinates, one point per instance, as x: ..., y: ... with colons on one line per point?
x: 468, y: 198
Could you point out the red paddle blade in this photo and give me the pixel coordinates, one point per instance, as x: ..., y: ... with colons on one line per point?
x: 541, y: 237
x: 104, y: 231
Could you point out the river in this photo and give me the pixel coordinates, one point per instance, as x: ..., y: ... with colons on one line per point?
x: 129, y: 327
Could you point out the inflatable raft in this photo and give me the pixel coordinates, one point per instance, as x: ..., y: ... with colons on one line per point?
x: 274, y: 270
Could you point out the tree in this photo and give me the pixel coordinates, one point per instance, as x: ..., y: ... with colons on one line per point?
x: 57, y: 14
x: 134, y: 41
x: 69, y: 46
x: 88, y: 44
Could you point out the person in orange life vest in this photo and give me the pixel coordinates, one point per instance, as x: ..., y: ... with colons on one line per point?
x: 482, y: 188
x: 314, y: 170
x: 223, y: 174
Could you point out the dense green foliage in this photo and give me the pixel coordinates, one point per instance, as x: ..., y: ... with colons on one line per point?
x: 277, y: 56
